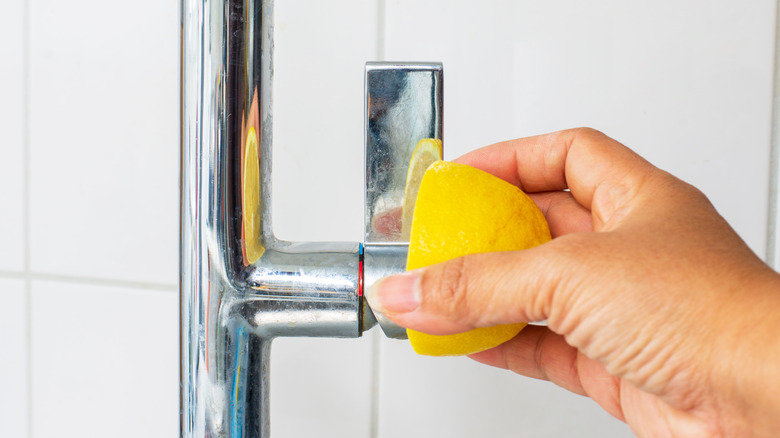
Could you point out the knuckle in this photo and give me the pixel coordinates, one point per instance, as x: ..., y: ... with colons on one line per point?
x: 587, y: 133
x: 558, y: 296
x: 586, y: 139
x: 451, y: 289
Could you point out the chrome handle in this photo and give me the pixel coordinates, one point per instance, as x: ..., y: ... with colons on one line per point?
x: 404, y: 103
x: 241, y: 287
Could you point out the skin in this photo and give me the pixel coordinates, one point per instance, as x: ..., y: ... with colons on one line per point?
x: 656, y: 309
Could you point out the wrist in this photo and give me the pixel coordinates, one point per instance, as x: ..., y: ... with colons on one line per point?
x: 750, y: 379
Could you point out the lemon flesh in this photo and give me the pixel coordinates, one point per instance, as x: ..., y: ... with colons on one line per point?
x: 427, y: 151
x: 462, y: 210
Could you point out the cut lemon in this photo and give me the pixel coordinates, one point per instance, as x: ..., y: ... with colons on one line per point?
x: 427, y: 151
x: 461, y: 210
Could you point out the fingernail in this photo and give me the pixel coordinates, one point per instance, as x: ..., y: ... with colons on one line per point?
x: 395, y: 294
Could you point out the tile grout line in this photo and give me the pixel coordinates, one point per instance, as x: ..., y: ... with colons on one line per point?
x: 94, y: 281
x: 26, y: 164
x: 376, y: 357
x: 376, y: 347
x: 381, y: 28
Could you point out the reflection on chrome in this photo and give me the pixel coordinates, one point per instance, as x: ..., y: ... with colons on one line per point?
x: 240, y: 286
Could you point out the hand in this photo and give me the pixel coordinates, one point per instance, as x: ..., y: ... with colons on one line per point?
x: 655, y: 308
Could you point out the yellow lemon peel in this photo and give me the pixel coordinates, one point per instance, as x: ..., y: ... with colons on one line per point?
x: 462, y: 210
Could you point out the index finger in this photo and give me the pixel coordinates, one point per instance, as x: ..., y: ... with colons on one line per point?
x: 582, y: 160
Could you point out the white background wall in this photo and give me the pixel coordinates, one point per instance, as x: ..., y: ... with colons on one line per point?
x: 89, y: 188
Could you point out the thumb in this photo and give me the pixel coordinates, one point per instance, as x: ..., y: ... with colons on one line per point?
x: 478, y: 290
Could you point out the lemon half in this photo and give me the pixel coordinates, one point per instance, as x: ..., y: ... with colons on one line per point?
x: 461, y: 210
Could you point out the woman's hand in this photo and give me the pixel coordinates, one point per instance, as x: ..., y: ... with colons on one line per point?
x: 655, y: 308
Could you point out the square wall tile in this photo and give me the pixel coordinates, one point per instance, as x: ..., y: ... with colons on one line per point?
x: 105, y: 361
x: 688, y: 86
x: 319, y: 56
x: 460, y: 398
x: 13, y: 359
x: 104, y: 134
x: 12, y: 85
x: 321, y: 387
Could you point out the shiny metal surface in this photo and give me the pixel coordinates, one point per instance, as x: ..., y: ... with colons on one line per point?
x: 404, y: 104
x: 240, y: 286
x: 379, y: 262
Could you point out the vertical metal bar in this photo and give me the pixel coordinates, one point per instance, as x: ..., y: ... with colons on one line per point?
x: 773, y: 243
x: 225, y: 62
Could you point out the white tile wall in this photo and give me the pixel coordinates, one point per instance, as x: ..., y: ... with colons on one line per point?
x: 13, y: 359
x: 104, y: 361
x: 457, y: 397
x: 11, y: 135
x: 321, y: 387
x: 104, y: 139
x: 320, y: 51
x: 687, y: 85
